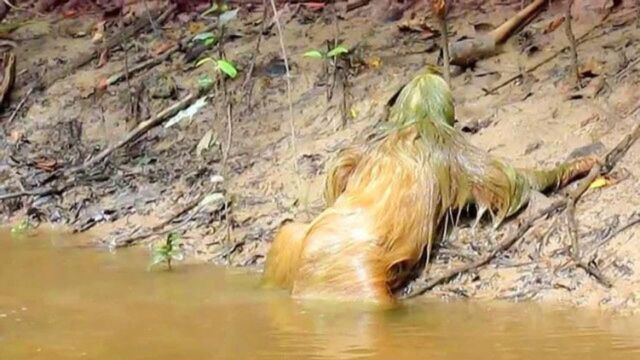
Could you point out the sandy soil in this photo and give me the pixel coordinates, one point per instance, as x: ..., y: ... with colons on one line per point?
x: 535, y: 121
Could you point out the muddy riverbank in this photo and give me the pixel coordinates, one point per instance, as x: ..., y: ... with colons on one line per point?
x: 253, y: 179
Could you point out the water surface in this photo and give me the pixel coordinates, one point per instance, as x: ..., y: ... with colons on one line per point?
x: 62, y: 302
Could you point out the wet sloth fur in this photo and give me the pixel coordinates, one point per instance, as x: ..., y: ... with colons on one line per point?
x: 388, y: 197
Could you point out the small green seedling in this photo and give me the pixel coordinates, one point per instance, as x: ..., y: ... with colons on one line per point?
x: 221, y: 65
x: 22, y: 228
x: 206, y: 38
x: 168, y: 251
x: 331, y: 54
x: 332, y: 66
x: 216, y: 8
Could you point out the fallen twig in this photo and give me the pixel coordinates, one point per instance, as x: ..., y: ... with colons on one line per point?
x: 356, y: 4
x: 466, y: 52
x: 573, y: 226
x: 41, y: 192
x: 502, y: 246
x: 157, y: 229
x: 626, y: 69
x: 581, y: 39
x: 142, y: 128
x: 631, y: 223
x: 610, y: 160
x: 9, y: 76
x: 15, y: 112
x: 439, y: 8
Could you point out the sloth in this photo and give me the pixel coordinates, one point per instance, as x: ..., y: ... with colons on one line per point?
x: 388, y: 197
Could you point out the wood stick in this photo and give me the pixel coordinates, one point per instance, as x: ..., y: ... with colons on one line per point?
x: 19, y: 106
x: 573, y: 46
x: 9, y: 76
x: 581, y: 39
x: 467, y: 52
x: 355, y: 4
x: 142, y: 128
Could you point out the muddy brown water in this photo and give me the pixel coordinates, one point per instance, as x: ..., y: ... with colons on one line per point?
x: 58, y: 301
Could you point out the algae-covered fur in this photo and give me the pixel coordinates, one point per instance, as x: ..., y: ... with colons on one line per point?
x: 386, y: 198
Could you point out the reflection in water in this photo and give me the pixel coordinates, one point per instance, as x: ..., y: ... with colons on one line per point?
x: 58, y: 302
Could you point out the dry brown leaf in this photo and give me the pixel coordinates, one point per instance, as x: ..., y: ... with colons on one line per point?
x: 196, y: 27
x: 438, y: 8
x: 104, y: 58
x: 591, y: 68
x: 46, y: 164
x: 374, y: 62
x: 553, y: 25
x: 102, y: 84
x: 161, y: 48
x: 15, y: 136
x: 417, y: 25
x: 98, y: 34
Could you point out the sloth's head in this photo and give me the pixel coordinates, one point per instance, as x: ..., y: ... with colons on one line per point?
x: 427, y: 97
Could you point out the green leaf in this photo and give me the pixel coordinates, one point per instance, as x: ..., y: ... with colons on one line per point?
x: 21, y: 228
x: 203, y: 61
x: 313, y: 54
x: 215, y: 7
x: 157, y: 259
x: 227, y: 16
x: 173, y: 238
x: 209, y: 42
x: 227, y: 68
x: 204, y: 36
x: 337, y: 51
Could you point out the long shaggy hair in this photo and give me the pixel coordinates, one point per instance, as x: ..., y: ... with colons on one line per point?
x: 387, y: 197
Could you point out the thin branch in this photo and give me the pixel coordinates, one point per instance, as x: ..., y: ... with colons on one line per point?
x: 572, y: 44
x: 298, y: 179
x: 247, y: 84
x: 19, y: 106
x: 225, y: 169
x: 283, y: 49
x: 126, y: 66
x: 444, y: 38
x: 572, y: 225
x: 156, y: 32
